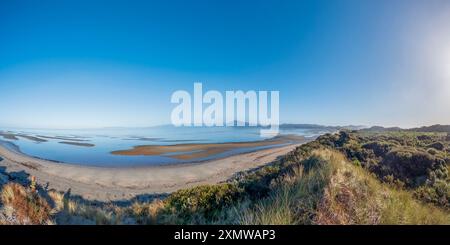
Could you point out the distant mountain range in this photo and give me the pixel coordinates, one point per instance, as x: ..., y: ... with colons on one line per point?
x: 310, y: 126
x: 296, y: 126
x: 317, y: 126
x: 432, y: 128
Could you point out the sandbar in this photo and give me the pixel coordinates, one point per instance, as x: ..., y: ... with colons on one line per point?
x: 198, y: 151
x: 77, y: 143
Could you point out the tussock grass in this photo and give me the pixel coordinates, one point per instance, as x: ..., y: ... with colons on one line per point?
x: 147, y: 213
x: 331, y: 190
x: 25, y: 206
x: 354, y: 196
x: 295, y: 199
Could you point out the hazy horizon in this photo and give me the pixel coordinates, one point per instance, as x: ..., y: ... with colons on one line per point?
x: 166, y: 125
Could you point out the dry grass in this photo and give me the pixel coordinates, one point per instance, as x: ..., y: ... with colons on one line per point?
x: 339, y: 192
x: 348, y: 198
x: 294, y: 201
x: 353, y: 196
x: 275, y: 210
x: 26, y: 207
x: 147, y: 213
x: 67, y: 211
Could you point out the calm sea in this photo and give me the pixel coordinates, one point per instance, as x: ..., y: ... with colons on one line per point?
x: 112, y: 139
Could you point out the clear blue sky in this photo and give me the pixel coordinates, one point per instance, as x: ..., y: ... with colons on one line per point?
x: 75, y: 64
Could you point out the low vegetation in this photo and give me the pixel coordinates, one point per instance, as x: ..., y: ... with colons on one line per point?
x: 23, y: 206
x: 417, y: 162
x: 351, y: 177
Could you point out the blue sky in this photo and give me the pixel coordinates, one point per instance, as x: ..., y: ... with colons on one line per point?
x: 77, y: 64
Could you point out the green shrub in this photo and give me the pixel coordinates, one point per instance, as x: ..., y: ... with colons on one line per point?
x: 437, y: 193
x: 437, y: 145
x: 206, y: 201
x: 379, y: 148
x: 356, y: 162
x: 408, y: 165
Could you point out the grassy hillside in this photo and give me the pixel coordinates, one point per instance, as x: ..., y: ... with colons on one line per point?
x: 333, y: 191
x: 354, y: 177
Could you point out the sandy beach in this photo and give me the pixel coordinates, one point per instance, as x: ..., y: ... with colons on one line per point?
x: 106, y: 183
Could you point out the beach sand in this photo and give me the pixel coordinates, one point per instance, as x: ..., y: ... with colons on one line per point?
x: 76, y: 143
x: 110, y: 184
x: 197, y: 151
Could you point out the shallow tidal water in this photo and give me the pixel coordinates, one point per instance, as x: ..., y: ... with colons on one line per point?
x: 81, y: 152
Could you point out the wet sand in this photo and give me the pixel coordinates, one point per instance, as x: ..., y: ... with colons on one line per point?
x: 14, y: 136
x: 105, y: 183
x: 198, y: 151
x: 77, y: 143
x: 61, y: 138
x: 8, y: 136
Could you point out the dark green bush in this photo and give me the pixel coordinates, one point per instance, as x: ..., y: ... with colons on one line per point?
x: 437, y: 145
x: 438, y: 193
x: 412, y: 160
x: 408, y: 165
x: 378, y: 148
x: 313, y: 163
x: 206, y: 201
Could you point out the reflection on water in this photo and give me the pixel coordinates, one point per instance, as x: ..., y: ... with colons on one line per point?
x: 93, y: 147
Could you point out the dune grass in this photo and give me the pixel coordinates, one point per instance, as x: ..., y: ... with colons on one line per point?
x: 24, y: 206
x: 334, y: 191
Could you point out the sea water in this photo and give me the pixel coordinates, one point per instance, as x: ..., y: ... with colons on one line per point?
x: 107, y: 140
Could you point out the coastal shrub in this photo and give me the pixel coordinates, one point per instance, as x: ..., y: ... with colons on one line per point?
x: 437, y: 145
x: 206, y: 201
x: 356, y: 162
x: 28, y: 207
x: 408, y: 165
x: 424, y: 137
x: 378, y: 148
x: 293, y: 201
x: 257, y: 188
x: 344, y: 137
x: 354, y: 196
x: 313, y: 163
x: 257, y: 185
x: 401, y: 159
x: 353, y: 150
x: 328, y: 140
x: 334, y: 191
x: 438, y: 193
